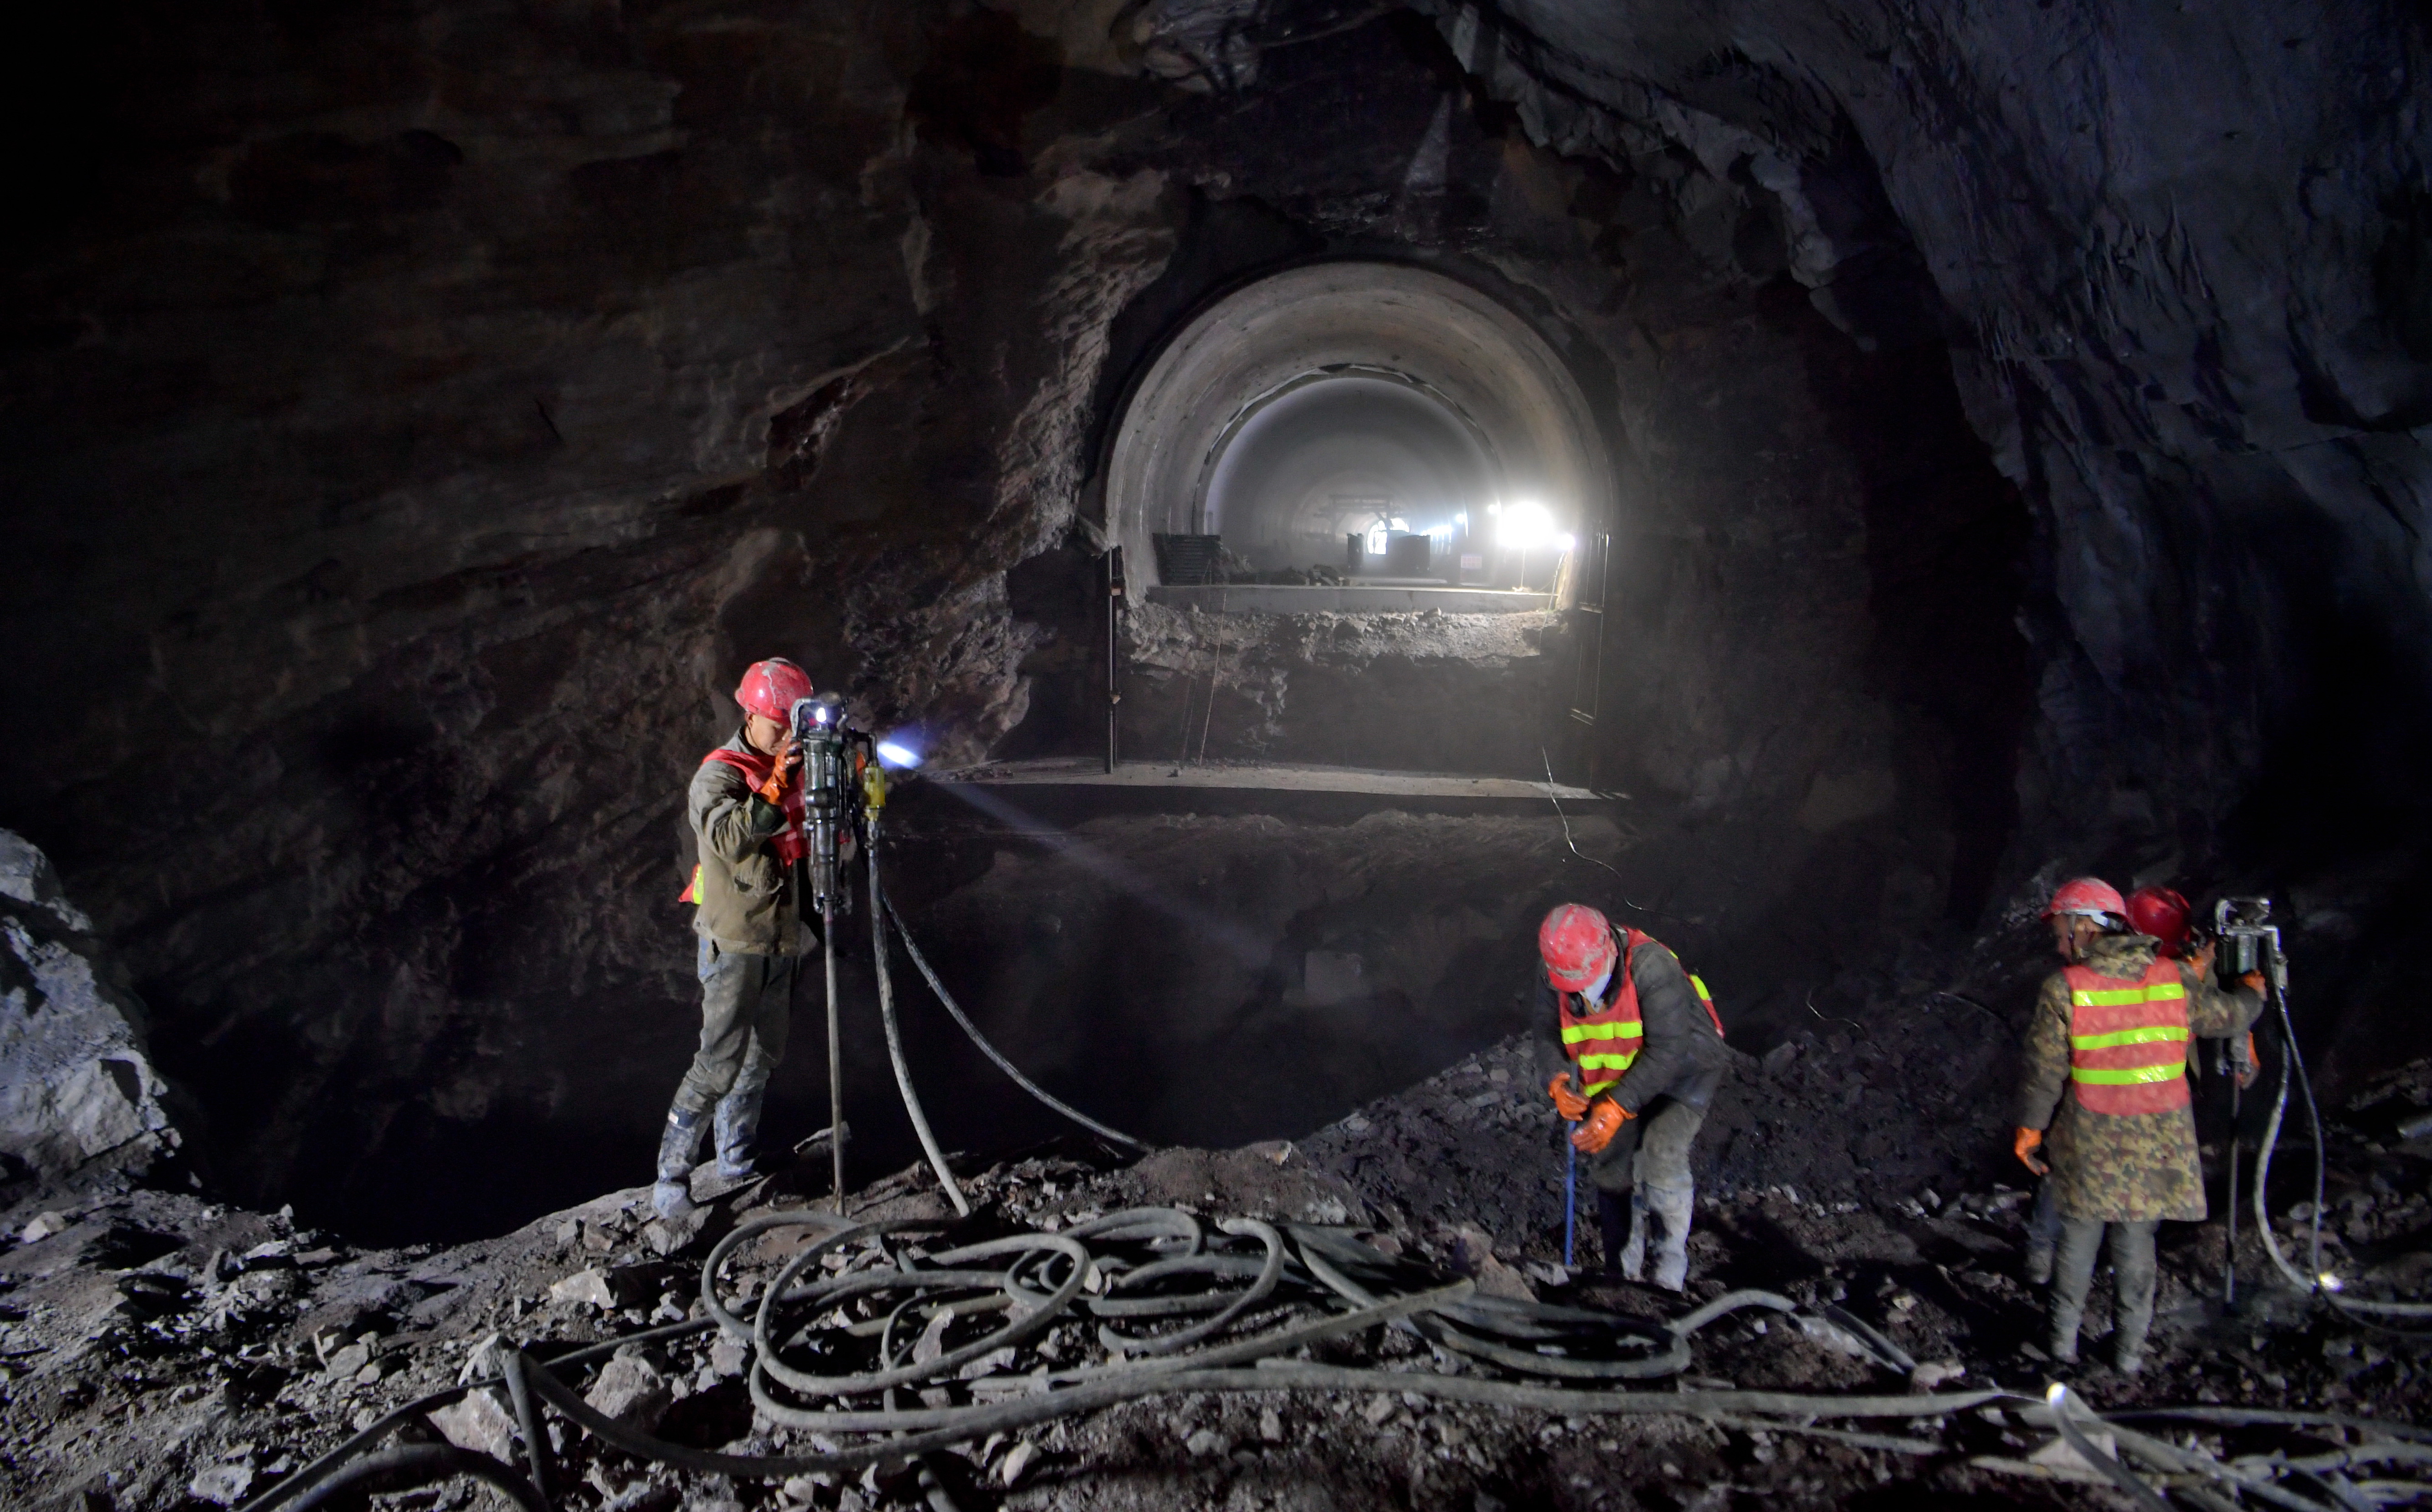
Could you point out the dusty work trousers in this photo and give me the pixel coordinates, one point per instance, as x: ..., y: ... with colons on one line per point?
x: 1652, y: 1148
x: 2132, y: 1281
x: 745, y: 1008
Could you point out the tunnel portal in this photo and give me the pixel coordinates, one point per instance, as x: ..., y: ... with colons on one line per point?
x: 1361, y: 398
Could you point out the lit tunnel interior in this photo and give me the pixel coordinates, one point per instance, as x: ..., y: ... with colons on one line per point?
x: 1341, y: 396
x: 1341, y: 454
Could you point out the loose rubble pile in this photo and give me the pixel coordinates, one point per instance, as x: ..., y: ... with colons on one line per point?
x: 162, y: 1350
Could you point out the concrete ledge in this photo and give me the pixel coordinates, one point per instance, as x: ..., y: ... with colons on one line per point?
x: 1277, y: 598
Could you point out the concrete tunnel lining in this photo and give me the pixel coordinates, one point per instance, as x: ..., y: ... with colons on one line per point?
x: 1309, y: 326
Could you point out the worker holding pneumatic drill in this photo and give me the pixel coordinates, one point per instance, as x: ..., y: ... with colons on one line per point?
x: 2105, y: 1076
x: 746, y: 808
x: 1648, y: 1049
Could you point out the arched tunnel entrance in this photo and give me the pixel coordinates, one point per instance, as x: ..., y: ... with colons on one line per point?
x: 1371, y: 442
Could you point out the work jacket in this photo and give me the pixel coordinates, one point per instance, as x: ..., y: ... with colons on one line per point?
x: 1679, y: 1046
x: 2106, y: 1077
x: 747, y: 900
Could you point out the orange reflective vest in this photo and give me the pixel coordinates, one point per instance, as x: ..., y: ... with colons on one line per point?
x: 2128, y: 1040
x: 791, y: 844
x: 1603, y: 1041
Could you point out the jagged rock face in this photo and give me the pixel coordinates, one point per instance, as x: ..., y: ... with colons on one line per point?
x: 2180, y: 257
x: 417, y: 418
x: 79, y: 1094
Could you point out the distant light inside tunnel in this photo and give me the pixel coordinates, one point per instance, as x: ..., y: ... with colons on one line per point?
x: 1524, y: 527
x: 895, y: 753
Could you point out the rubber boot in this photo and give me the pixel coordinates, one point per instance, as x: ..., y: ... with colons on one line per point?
x: 677, y: 1144
x: 1671, y: 1205
x: 1613, y: 1223
x: 738, y: 1127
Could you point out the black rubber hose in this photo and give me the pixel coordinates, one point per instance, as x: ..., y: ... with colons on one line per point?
x: 528, y: 1421
x: 963, y: 1020
x: 419, y: 1464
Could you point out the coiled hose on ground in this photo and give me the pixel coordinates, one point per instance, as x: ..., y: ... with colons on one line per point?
x: 1006, y: 1333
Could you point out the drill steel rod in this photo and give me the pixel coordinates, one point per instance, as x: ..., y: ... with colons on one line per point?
x: 835, y: 1051
x: 1571, y: 1201
x: 2229, y: 1259
x: 895, y: 1035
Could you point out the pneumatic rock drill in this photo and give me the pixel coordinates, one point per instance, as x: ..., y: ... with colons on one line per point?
x: 843, y: 792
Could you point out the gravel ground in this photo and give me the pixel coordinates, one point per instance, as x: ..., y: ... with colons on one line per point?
x: 162, y: 1350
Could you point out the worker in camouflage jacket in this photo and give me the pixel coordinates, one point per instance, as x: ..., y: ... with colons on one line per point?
x: 746, y: 808
x: 2106, y: 1077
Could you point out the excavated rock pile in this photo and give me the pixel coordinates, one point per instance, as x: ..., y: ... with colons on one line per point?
x: 163, y: 1351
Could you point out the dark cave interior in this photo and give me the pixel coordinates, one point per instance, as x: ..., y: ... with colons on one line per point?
x: 417, y: 415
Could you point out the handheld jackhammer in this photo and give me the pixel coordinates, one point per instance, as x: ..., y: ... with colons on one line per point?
x: 2248, y: 942
x: 831, y: 749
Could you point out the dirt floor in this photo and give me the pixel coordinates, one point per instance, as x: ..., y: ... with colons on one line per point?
x: 162, y: 1350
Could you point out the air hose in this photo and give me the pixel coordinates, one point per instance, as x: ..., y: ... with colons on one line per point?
x: 895, y: 1036
x: 963, y: 1020
x: 2293, y: 1068
x: 1168, y: 1304
x: 985, y: 1330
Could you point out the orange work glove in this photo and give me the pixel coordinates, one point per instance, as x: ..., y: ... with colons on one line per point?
x: 780, y: 777
x: 1566, y: 1102
x: 1604, y: 1121
x: 2024, y: 1148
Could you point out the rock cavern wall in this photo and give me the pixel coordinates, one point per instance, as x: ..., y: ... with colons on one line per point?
x: 2180, y: 261
x: 417, y: 415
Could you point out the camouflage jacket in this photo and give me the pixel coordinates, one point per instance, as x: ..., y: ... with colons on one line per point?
x: 2116, y: 1168
x: 749, y: 900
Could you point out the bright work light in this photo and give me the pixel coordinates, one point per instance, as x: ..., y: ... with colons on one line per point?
x: 1524, y: 526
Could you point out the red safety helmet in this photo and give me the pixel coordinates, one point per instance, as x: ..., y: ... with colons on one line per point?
x: 2090, y: 896
x: 770, y: 687
x: 2162, y: 914
x: 1577, y: 944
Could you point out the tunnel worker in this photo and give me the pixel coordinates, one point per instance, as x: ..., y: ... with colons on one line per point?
x: 2159, y: 912
x: 746, y: 810
x: 2106, y: 1074
x: 1647, y: 1047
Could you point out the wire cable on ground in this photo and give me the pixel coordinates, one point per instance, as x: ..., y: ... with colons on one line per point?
x: 963, y: 1021
x: 1002, y: 1333
x: 1555, y: 798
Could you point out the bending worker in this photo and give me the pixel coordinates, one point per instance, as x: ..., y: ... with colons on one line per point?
x: 746, y: 810
x: 1648, y: 1049
x: 2107, y: 1060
